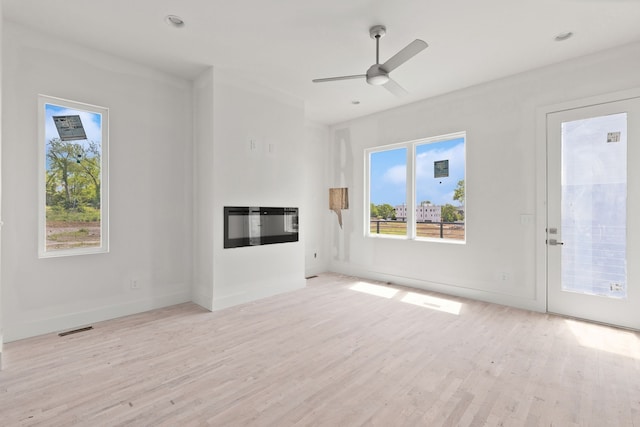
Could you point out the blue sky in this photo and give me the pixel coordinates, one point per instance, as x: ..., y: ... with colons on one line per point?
x: 92, y: 122
x: 389, y: 170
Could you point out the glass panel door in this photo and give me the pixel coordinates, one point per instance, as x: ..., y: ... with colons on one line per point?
x: 594, y: 205
x: 590, y: 235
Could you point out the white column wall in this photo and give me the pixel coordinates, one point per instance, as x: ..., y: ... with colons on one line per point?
x: 203, y: 179
x: 316, y: 199
x: 1, y: 312
x: 272, y: 174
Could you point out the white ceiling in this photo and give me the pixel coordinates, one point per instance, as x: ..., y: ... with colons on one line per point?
x: 284, y: 44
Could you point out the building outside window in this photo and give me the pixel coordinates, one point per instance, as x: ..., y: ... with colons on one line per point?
x: 416, y: 189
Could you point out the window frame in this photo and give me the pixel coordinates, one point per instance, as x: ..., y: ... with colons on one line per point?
x: 44, y: 100
x: 411, y: 188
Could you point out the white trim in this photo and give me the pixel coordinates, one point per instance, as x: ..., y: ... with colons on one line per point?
x: 104, y: 178
x: 42, y: 326
x: 411, y: 190
x: 251, y: 292
x: 525, y: 303
x: 366, y: 212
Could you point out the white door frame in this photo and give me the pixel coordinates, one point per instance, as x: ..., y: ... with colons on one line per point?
x: 541, y: 178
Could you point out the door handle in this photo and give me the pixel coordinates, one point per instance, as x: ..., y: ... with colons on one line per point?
x: 554, y: 242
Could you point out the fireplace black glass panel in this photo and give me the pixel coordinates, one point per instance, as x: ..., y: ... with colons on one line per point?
x: 253, y: 226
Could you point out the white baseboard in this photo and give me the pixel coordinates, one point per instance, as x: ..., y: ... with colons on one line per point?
x: 27, y: 329
x: 253, y: 293
x: 201, y: 298
x: 459, y: 291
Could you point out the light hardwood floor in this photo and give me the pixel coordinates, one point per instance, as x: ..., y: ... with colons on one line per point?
x: 338, y: 353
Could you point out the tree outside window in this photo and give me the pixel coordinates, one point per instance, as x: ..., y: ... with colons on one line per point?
x: 73, y: 205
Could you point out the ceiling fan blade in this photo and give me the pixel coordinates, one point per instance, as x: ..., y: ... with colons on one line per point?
x: 409, y: 51
x: 393, y: 87
x: 332, y: 79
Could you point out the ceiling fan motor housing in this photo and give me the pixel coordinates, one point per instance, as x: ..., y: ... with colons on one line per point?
x: 376, y: 75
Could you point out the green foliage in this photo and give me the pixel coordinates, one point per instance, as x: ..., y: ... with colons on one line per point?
x: 458, y: 194
x: 82, y: 214
x: 69, y: 235
x: 72, y: 176
x: 373, y: 211
x: 386, y: 211
x: 449, y: 213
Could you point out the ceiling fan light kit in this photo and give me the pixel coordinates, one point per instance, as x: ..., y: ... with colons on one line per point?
x: 378, y: 74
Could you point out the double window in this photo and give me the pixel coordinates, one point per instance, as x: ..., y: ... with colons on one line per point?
x: 416, y: 189
x: 73, y: 206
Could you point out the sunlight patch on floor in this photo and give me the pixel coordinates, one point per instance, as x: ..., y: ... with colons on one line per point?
x: 434, y: 303
x: 617, y: 341
x: 377, y: 290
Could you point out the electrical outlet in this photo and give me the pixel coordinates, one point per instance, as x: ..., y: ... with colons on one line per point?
x: 527, y: 219
x: 503, y: 276
x: 253, y: 144
x: 134, y: 284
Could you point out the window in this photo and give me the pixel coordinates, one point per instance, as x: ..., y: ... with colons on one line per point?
x: 73, y: 208
x: 432, y: 172
x: 388, y: 194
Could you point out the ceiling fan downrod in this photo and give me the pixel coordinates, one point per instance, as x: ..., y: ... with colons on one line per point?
x: 376, y: 75
x: 376, y: 32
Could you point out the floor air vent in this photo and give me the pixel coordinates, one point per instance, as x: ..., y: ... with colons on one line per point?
x: 75, y: 331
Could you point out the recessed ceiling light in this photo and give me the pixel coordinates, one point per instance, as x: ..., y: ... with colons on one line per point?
x: 563, y: 36
x: 174, y: 21
x: 355, y: 102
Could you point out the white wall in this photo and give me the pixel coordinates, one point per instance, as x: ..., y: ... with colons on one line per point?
x: 316, y: 198
x: 151, y: 161
x: 228, y: 114
x: 500, y: 120
x: 203, y: 231
x: 271, y: 175
x: 178, y: 155
x: 1, y: 313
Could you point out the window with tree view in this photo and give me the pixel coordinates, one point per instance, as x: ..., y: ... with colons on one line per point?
x: 388, y: 189
x: 73, y: 202
x: 433, y: 171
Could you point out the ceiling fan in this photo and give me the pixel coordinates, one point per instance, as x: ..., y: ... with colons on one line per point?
x: 378, y: 74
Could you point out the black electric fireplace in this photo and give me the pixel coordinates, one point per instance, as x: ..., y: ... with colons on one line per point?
x: 253, y: 226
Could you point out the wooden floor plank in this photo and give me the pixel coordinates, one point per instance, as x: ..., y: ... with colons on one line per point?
x: 328, y: 355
